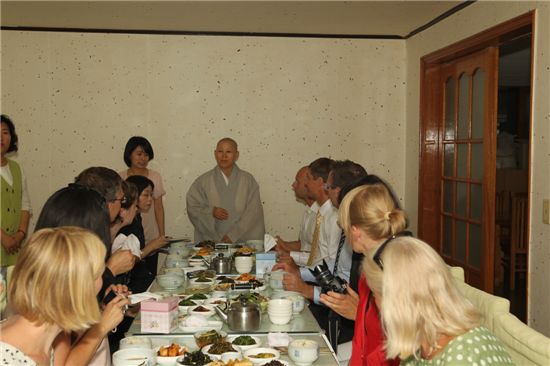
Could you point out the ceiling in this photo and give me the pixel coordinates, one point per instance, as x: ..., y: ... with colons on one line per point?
x: 394, y: 19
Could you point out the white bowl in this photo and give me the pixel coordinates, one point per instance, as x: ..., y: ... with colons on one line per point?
x: 198, y: 301
x: 206, y: 314
x: 214, y: 356
x: 219, y: 294
x: 134, y: 357
x: 247, y: 347
x: 259, y: 361
x: 231, y: 356
x: 168, y: 361
x: 175, y: 270
x: 298, y: 301
x: 195, y: 282
x: 182, y: 251
x: 184, y: 309
x: 135, y: 342
x: 280, y: 319
x: 213, y: 301
x: 303, y: 351
x: 279, y: 305
x: 169, y: 281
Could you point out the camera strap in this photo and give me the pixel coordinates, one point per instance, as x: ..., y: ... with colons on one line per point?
x: 340, y: 246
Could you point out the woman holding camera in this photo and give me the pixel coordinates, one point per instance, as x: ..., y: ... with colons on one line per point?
x: 369, y: 216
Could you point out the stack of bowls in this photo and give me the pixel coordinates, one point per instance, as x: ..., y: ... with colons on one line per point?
x: 279, y: 311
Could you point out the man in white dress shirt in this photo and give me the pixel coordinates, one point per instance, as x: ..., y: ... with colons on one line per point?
x: 299, y: 249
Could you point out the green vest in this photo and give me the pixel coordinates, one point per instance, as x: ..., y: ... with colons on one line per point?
x: 11, y: 197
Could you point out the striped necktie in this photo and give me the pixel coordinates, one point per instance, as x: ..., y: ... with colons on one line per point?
x: 315, y: 241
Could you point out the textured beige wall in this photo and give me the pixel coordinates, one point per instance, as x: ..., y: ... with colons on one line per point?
x: 76, y: 98
x: 471, y: 20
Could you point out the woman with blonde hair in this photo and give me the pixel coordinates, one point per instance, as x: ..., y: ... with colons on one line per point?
x: 427, y: 321
x: 53, y: 290
x: 369, y: 215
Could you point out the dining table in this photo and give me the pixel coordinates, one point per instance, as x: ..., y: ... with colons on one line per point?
x: 301, y: 326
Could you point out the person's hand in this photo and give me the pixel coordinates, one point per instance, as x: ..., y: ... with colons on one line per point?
x: 226, y: 239
x: 158, y: 242
x: 220, y: 213
x: 281, y: 248
x: 294, y: 282
x: 289, y: 267
x: 119, y: 289
x: 121, y: 261
x: 288, y: 261
x: 343, y: 304
x: 12, y: 243
x: 113, y: 313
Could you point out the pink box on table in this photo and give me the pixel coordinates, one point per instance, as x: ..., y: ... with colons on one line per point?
x: 159, y: 316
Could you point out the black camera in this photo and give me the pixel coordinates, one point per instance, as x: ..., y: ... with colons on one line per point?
x: 327, y: 280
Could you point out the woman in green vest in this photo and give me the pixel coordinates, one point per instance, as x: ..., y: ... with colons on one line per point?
x: 15, y: 211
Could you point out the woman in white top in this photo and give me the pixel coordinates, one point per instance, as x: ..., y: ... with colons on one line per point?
x: 53, y: 291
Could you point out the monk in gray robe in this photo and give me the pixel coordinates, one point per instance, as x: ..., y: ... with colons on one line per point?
x: 224, y: 203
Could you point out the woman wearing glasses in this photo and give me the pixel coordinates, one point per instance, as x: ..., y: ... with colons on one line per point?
x: 426, y: 319
x: 369, y: 216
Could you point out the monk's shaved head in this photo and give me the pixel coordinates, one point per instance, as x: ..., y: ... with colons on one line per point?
x: 230, y: 141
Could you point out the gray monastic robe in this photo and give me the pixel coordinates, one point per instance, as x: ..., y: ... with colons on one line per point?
x: 241, y: 198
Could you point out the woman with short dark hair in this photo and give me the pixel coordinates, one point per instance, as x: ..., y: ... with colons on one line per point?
x: 137, y: 154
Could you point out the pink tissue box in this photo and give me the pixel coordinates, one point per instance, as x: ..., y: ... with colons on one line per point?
x: 159, y: 316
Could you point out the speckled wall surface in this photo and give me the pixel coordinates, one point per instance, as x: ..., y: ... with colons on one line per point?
x: 77, y: 98
x: 471, y: 20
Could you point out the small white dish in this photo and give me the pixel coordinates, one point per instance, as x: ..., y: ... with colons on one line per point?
x: 258, y: 361
x: 201, y: 281
x: 208, y: 325
x: 134, y: 357
x: 168, y: 360
x: 215, y: 356
x: 244, y: 348
x: 207, y: 314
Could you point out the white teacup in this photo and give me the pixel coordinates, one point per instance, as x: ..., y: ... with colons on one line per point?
x: 275, y: 279
x: 243, y: 264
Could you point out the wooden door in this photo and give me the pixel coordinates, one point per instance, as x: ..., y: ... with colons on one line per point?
x: 458, y: 160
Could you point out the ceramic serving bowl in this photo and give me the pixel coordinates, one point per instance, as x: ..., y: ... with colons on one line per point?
x: 303, y: 351
x: 135, y: 342
x: 134, y: 357
x: 169, y: 281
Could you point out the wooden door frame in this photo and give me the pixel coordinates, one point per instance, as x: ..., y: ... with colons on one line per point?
x: 430, y: 113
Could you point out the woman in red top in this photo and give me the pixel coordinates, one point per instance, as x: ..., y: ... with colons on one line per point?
x: 369, y: 216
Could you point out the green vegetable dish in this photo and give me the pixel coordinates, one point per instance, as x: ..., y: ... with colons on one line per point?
x: 244, y: 341
x: 198, y: 297
x: 196, y: 358
x: 221, y: 347
x: 187, y: 302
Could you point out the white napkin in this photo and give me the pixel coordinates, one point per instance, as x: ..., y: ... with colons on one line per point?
x: 278, y: 339
x: 126, y: 242
x: 136, y: 298
x: 269, y: 242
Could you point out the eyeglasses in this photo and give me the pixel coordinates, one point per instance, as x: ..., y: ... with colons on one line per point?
x: 122, y: 200
x: 377, y: 255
